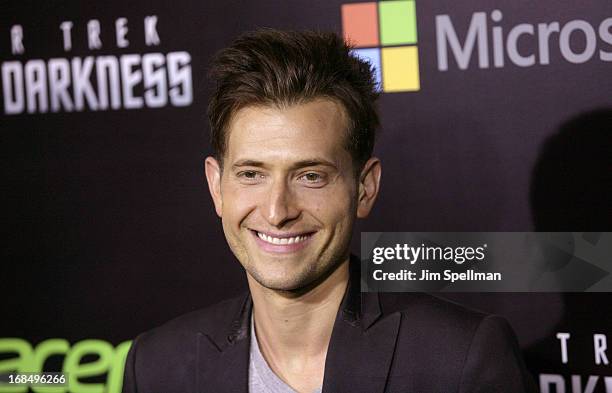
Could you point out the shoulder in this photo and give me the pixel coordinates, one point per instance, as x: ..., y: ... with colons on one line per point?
x: 467, y: 348
x: 178, y: 337
x: 425, y: 309
x: 163, y: 359
x: 445, y: 321
x: 205, y: 319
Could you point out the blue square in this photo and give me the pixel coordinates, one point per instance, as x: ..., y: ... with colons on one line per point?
x: 372, y: 56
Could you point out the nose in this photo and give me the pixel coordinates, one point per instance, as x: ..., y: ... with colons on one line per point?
x: 280, y: 206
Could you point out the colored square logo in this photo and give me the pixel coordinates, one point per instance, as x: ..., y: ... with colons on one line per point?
x: 400, y: 67
x: 372, y: 56
x: 397, y: 22
x: 384, y: 33
x: 360, y: 24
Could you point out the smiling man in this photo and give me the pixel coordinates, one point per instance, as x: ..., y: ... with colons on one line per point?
x: 293, y: 123
x: 287, y: 192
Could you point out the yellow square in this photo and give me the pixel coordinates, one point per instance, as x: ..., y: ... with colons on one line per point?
x: 400, y: 69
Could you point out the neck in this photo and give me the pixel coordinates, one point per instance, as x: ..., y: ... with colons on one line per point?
x: 294, y: 330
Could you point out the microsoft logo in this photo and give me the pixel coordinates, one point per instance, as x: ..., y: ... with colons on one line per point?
x: 385, y: 34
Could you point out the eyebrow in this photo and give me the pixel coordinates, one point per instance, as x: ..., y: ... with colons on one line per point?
x: 296, y: 165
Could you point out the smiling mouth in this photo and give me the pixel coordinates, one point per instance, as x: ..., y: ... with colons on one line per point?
x: 283, y: 240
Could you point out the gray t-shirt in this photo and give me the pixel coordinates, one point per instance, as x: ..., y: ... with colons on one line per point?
x: 261, y: 377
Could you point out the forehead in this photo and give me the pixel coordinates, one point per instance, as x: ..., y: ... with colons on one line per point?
x: 314, y: 129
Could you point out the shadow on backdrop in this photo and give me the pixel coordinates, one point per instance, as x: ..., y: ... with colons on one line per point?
x: 571, y: 190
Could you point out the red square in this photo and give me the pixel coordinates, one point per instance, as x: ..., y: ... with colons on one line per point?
x: 360, y: 24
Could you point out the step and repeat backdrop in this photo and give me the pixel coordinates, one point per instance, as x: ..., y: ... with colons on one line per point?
x: 496, y: 116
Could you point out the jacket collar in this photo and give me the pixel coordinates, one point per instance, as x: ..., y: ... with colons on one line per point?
x: 356, y: 308
x: 352, y: 355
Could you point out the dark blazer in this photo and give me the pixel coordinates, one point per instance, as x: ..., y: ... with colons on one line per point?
x: 408, y: 343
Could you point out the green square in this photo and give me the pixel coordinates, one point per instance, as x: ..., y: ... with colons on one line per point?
x: 397, y: 22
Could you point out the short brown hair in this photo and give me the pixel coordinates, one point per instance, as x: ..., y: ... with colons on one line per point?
x: 282, y: 68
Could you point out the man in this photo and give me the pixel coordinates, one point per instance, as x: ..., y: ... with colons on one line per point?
x: 293, y: 123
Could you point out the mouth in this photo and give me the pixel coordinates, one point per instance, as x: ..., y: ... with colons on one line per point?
x: 281, y: 243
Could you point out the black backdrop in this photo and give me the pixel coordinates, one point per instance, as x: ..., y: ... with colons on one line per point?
x: 110, y: 229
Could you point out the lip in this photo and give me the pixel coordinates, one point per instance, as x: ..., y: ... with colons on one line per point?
x: 281, y: 248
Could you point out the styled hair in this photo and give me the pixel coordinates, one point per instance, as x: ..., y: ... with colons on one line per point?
x: 283, y: 68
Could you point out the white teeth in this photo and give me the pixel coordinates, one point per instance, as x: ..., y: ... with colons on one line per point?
x: 281, y: 241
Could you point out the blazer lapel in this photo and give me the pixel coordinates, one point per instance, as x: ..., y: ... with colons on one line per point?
x: 358, y: 358
x: 223, y: 356
x: 362, y: 343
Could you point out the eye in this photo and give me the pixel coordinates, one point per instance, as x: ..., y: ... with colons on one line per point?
x: 312, y: 179
x: 249, y: 176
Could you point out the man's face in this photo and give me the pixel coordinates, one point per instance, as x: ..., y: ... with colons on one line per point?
x: 288, y: 193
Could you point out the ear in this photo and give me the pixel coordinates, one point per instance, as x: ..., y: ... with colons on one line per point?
x: 213, y: 177
x: 369, y: 184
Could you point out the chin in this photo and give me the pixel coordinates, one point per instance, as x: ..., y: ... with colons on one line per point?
x: 282, y: 280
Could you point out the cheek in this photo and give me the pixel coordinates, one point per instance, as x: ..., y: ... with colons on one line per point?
x: 239, y: 202
x: 333, y: 204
